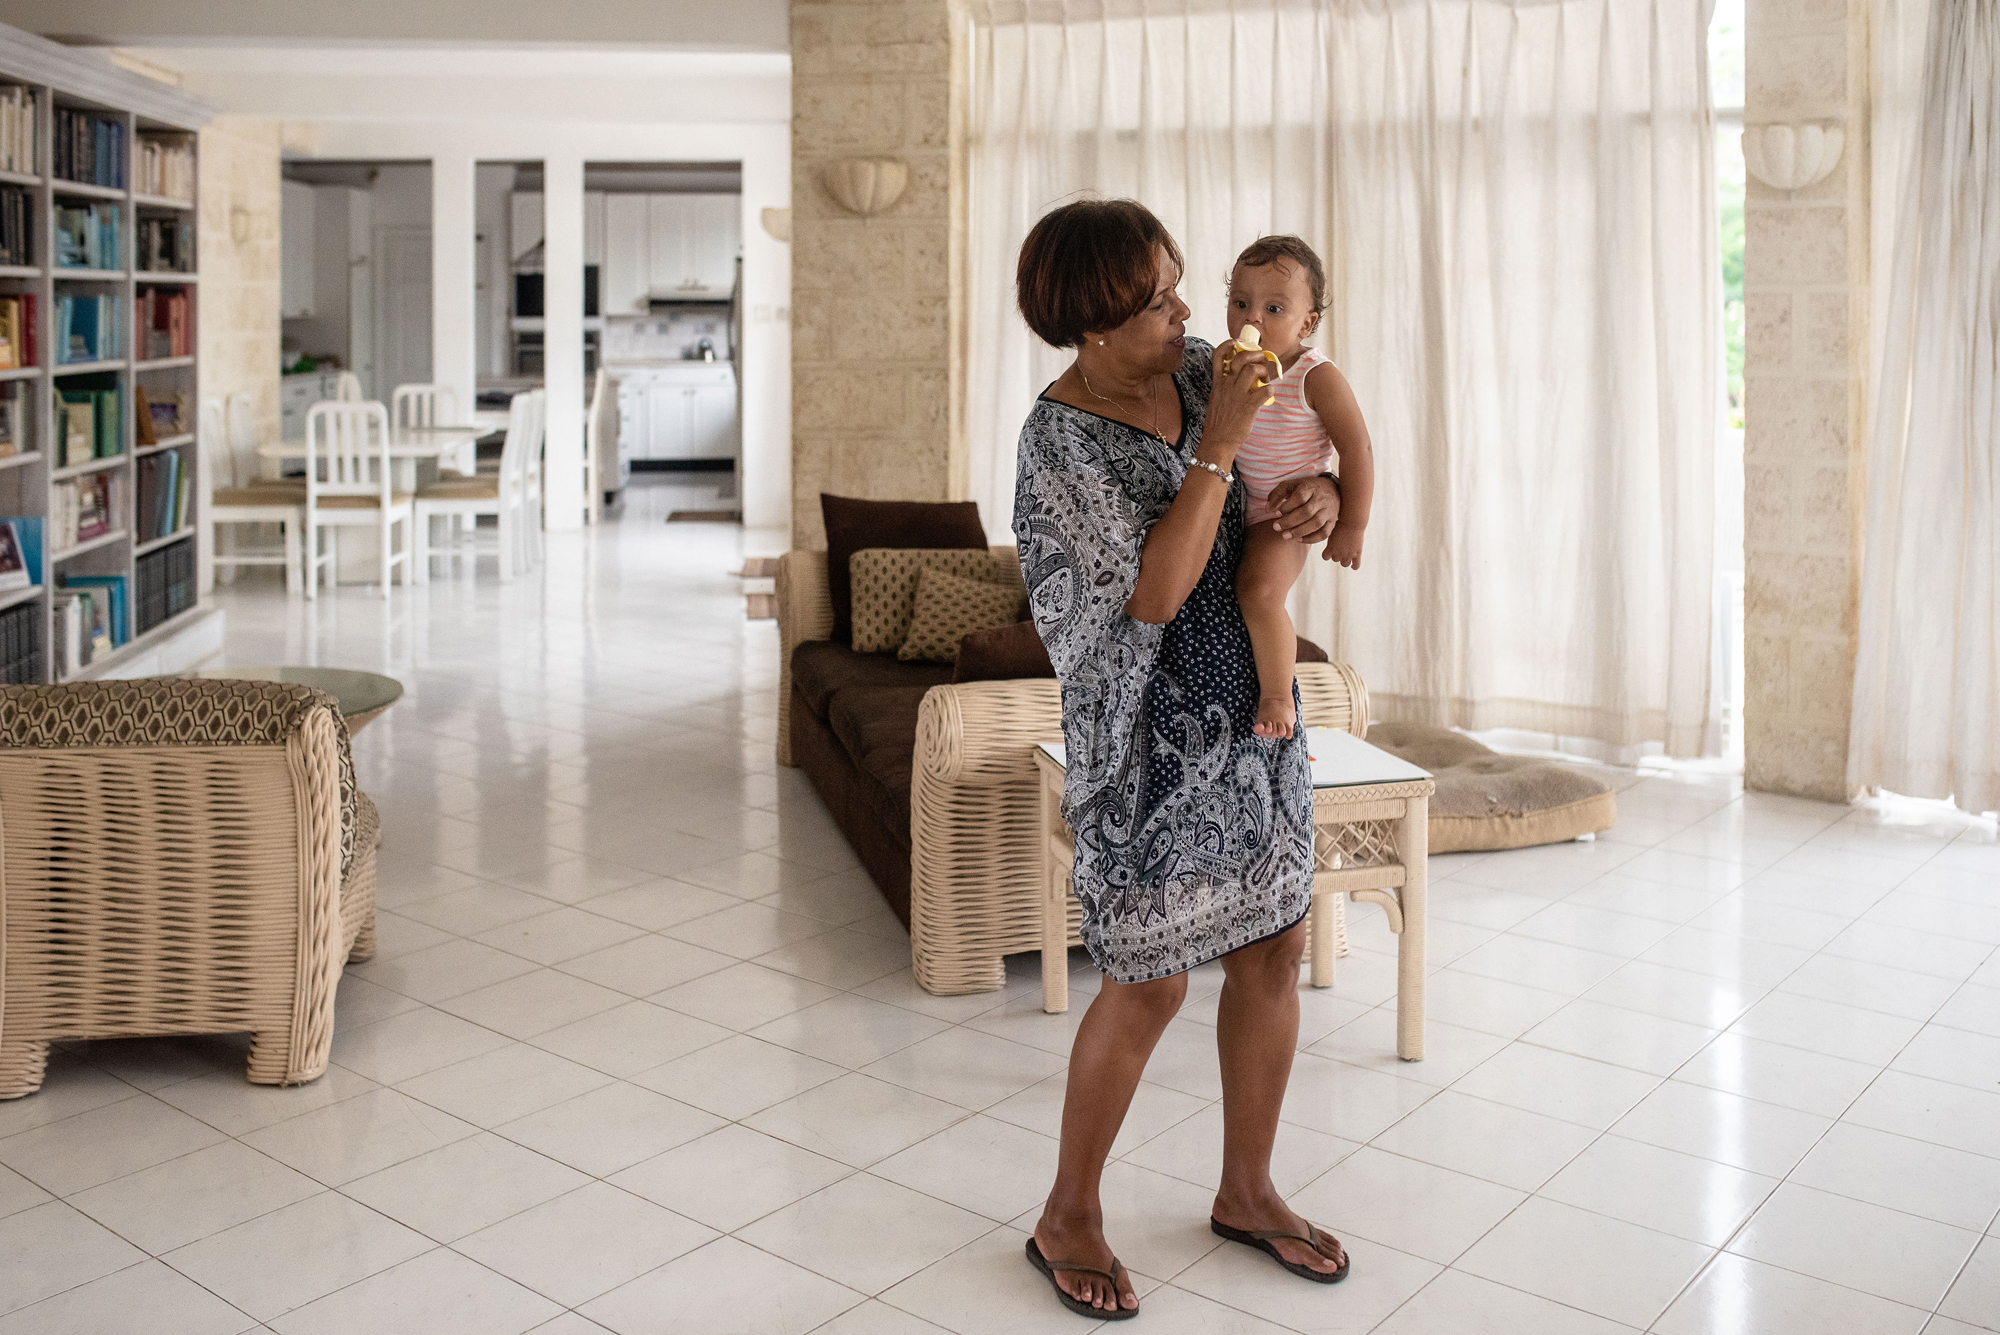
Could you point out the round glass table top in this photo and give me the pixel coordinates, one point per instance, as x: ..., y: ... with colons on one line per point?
x: 361, y: 695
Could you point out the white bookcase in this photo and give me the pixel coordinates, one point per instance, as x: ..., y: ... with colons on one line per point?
x: 59, y: 79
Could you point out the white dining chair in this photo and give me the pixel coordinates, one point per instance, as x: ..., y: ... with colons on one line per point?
x: 351, y: 442
x: 347, y: 388
x: 500, y: 495
x: 530, y: 529
x: 600, y: 445
x: 237, y: 498
x: 433, y: 405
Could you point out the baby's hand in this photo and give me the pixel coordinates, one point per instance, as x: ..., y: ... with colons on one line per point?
x: 1344, y: 547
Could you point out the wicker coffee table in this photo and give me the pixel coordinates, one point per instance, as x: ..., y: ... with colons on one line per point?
x: 362, y: 696
x: 1371, y: 839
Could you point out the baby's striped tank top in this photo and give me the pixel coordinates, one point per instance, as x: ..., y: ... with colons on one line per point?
x: 1286, y: 441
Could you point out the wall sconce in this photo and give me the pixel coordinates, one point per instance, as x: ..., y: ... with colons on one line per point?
x: 239, y: 224
x: 1792, y: 157
x: 866, y: 186
x: 778, y: 224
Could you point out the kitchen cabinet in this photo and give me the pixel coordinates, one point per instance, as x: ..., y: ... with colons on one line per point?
x: 691, y: 246
x: 296, y: 396
x: 524, y: 234
x: 678, y: 412
x: 297, y: 249
x: 622, y: 281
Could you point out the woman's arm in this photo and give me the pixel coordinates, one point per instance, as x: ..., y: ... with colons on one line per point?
x: 1177, y: 548
x: 1329, y: 395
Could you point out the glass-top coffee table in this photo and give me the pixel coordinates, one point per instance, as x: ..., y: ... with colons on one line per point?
x: 360, y: 695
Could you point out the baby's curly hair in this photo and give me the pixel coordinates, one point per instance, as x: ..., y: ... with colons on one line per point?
x: 1270, y: 249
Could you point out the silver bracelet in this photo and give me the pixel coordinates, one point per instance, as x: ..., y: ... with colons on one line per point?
x: 1228, y: 478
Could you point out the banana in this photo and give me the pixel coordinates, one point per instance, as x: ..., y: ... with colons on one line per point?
x: 1250, y: 340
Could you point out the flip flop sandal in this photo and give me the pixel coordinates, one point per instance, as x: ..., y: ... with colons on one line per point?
x: 1077, y: 1305
x: 1262, y: 1239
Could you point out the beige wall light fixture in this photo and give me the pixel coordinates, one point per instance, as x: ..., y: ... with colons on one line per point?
x: 1792, y: 157
x: 866, y: 186
x: 778, y: 224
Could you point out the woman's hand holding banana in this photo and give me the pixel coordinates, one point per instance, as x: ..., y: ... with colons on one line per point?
x: 1252, y: 341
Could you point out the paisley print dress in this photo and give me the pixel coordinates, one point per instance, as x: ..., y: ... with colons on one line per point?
x: 1193, y: 835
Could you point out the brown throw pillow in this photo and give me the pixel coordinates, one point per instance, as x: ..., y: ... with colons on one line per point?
x: 852, y: 524
x: 949, y: 607
x: 1310, y: 652
x: 885, y: 587
x: 1004, y: 653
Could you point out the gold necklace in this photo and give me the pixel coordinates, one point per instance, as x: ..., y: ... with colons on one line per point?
x: 1154, y: 413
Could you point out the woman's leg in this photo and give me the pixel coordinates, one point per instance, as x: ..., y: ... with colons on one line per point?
x: 1112, y: 1044
x: 1256, y: 1030
x: 1270, y: 567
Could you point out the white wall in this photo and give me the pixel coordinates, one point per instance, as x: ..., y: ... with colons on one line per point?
x: 765, y: 365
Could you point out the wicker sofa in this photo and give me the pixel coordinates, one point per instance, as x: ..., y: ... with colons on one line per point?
x: 178, y: 857
x: 934, y: 783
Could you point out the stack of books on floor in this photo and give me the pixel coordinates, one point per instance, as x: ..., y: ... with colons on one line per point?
x: 166, y: 322
x: 85, y: 508
x: 166, y: 166
x: 163, y: 495
x: 17, y: 225
x: 165, y: 584
x: 89, y: 425
x: 88, y: 329
x: 166, y: 245
x: 90, y: 148
x: 17, y: 130
x: 87, y: 236
x: 17, y: 331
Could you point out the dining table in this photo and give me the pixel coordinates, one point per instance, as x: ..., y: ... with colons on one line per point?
x: 415, y: 451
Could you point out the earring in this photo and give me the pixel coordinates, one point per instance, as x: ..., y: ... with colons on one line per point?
x: 1100, y: 342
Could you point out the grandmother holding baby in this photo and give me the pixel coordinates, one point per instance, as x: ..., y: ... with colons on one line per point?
x: 1188, y: 788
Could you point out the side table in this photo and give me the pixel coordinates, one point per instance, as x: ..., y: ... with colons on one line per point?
x: 1371, y: 841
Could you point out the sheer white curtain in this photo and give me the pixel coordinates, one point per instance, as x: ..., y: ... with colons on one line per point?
x: 1515, y: 199
x: 1927, y: 675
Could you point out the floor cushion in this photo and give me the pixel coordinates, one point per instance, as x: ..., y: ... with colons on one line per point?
x: 1486, y: 800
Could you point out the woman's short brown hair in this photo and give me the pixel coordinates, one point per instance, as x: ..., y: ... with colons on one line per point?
x: 1089, y: 266
x: 1270, y: 249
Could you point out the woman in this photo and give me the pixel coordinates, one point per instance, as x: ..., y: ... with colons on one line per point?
x: 1193, y: 836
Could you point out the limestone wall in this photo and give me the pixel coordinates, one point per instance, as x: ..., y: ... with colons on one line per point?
x: 871, y: 299
x: 238, y: 324
x: 1805, y: 285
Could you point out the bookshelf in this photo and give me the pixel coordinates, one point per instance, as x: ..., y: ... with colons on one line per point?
x: 100, y: 163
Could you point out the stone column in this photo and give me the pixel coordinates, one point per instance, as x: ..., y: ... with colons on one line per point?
x: 1805, y: 281
x: 870, y: 296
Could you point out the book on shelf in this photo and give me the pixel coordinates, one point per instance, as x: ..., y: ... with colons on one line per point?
x: 17, y: 327
x: 85, y: 616
x: 16, y: 408
x: 89, y: 148
x: 27, y: 531
x: 17, y: 225
x: 17, y: 130
x: 166, y: 245
x: 13, y: 561
x: 164, y: 165
x: 105, y: 423
x: 84, y: 508
x: 166, y: 322
x: 21, y: 644
x: 88, y: 329
x: 111, y: 589
x: 86, y: 235
x: 163, y: 491
x: 69, y: 641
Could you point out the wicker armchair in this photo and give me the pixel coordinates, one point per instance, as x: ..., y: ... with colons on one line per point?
x: 178, y: 857
x: 975, y: 831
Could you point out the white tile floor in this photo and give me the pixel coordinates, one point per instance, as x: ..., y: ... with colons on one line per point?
x: 641, y: 1052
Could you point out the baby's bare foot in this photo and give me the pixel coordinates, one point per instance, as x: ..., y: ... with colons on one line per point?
x: 1274, y: 716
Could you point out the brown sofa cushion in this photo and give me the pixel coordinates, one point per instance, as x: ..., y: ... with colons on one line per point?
x: 820, y: 668
x: 1485, y: 800
x: 852, y: 524
x: 877, y: 725
x: 1007, y: 653
x: 884, y: 583
x: 949, y: 608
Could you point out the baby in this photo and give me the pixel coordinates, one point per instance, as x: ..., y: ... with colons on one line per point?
x: 1276, y: 294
